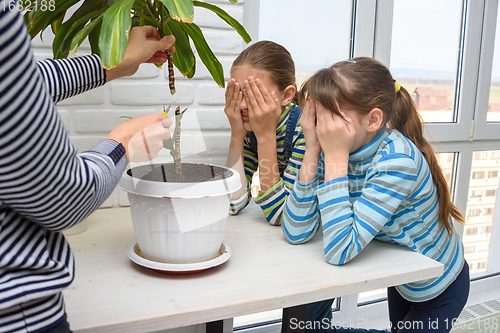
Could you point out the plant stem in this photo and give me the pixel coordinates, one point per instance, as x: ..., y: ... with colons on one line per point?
x: 177, y: 141
x: 154, y: 18
x: 147, y: 18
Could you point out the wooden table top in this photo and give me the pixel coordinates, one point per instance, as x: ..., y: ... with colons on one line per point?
x: 110, y: 293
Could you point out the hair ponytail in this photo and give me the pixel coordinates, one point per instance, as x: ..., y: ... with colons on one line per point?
x: 407, y: 121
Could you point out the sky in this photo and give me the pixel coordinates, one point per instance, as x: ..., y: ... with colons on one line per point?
x: 315, y: 32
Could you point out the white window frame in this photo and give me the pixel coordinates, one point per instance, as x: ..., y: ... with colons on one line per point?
x: 371, y: 36
x: 484, y: 130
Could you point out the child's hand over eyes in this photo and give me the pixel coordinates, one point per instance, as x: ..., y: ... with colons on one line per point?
x: 232, y: 108
x: 264, y: 109
x: 308, y: 124
x: 335, y: 134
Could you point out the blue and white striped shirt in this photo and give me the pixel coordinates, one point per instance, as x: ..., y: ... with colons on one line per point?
x: 388, y: 195
x: 45, y: 186
x: 273, y: 200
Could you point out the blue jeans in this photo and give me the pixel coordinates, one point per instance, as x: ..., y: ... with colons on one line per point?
x: 433, y: 316
x: 62, y: 327
x: 316, y: 312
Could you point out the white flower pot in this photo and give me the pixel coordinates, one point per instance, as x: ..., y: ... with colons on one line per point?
x: 180, y: 222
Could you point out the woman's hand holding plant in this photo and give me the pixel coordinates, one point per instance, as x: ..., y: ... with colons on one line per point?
x: 144, y: 45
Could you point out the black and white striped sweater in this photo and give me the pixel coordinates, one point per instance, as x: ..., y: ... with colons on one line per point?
x: 45, y: 186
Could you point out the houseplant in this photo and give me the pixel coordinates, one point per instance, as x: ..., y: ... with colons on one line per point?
x: 180, y: 219
x: 106, y: 25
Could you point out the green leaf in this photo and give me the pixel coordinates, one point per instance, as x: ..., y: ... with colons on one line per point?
x: 234, y: 2
x: 82, y: 34
x: 226, y: 17
x: 180, y: 10
x: 114, y: 33
x: 206, y: 55
x: 57, y: 23
x: 183, y: 56
x: 89, y: 10
x: 168, y: 144
x: 94, y: 39
x: 38, y: 20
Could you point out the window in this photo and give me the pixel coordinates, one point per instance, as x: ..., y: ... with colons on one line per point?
x: 483, y: 247
x: 476, y: 193
x: 470, y: 249
x: 471, y: 231
x: 474, y: 212
x: 491, y: 193
x: 444, y: 53
x: 485, y: 230
x: 430, y: 77
x: 277, y: 22
x: 480, y: 155
x: 481, y: 211
x: 478, y: 175
x: 488, y: 211
x: 493, y: 114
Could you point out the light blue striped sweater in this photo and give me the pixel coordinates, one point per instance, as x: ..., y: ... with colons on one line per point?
x: 388, y: 195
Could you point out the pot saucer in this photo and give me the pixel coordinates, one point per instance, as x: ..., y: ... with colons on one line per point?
x: 134, y: 253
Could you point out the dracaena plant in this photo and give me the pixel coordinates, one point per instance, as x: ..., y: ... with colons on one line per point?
x: 106, y: 25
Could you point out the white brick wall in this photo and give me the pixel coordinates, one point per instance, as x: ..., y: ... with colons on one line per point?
x: 90, y: 116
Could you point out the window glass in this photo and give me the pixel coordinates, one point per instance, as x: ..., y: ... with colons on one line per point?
x: 481, y: 210
x: 317, y: 34
x: 328, y: 23
x: 493, y: 114
x: 424, y: 49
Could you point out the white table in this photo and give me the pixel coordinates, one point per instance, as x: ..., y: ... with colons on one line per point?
x: 112, y: 294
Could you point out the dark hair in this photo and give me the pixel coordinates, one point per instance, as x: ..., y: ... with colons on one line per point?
x: 271, y: 57
x: 364, y: 84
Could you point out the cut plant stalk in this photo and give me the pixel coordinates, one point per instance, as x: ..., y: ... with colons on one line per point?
x: 177, y: 138
x: 171, y: 78
x: 174, y: 143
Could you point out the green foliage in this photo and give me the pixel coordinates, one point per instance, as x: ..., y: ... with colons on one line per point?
x: 106, y: 24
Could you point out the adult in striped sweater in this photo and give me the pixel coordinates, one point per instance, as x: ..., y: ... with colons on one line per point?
x: 45, y: 186
x: 259, y: 104
x: 369, y: 173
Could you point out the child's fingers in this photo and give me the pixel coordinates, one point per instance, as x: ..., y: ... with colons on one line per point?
x: 240, y: 97
x: 268, y: 98
x: 229, y: 89
x: 249, y: 98
x: 254, y: 92
x: 346, y: 118
x: 348, y: 122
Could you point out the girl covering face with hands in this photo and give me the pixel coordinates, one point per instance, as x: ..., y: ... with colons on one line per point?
x: 265, y: 134
x: 258, y: 106
x: 368, y: 173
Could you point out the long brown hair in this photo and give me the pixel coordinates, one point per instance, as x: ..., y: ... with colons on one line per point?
x: 364, y: 84
x: 271, y: 57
